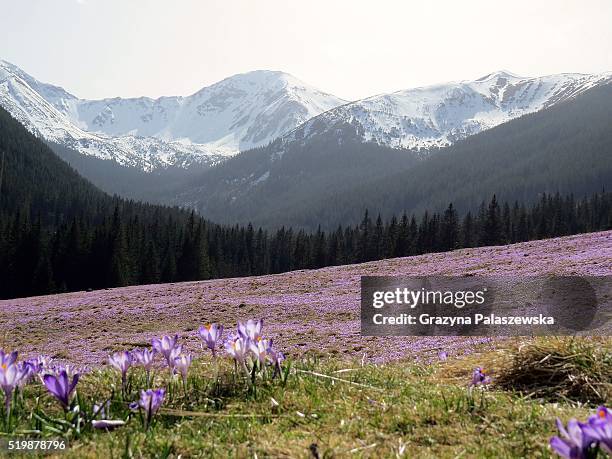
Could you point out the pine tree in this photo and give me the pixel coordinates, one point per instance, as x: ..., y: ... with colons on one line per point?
x: 449, y: 229
x: 492, y: 227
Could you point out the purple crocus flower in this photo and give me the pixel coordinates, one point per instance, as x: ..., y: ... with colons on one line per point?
x: 251, y: 329
x: 101, y: 410
x: 573, y: 443
x: 122, y: 361
x: 211, y: 335
x: 150, y: 401
x: 7, y: 359
x: 479, y: 377
x: 442, y: 356
x: 182, y: 364
x: 144, y: 357
x: 237, y: 347
x: 276, y: 358
x: 38, y: 364
x: 168, y: 347
x: 599, y: 428
x: 259, y: 348
x: 61, y: 387
x: 11, y: 376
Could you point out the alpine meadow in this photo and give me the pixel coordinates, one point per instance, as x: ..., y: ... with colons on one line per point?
x: 268, y: 230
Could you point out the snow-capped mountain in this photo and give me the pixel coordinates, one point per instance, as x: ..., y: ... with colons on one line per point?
x: 253, y: 109
x: 238, y: 113
x: 437, y: 116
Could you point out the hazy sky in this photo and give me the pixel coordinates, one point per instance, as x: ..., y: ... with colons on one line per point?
x: 353, y: 48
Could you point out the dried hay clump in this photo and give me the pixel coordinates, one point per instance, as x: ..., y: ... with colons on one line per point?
x: 571, y: 369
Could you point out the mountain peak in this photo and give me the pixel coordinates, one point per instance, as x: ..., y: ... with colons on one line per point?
x: 440, y: 115
x: 500, y: 74
x: 238, y: 113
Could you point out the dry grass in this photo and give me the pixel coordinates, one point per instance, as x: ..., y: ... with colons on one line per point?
x: 569, y: 369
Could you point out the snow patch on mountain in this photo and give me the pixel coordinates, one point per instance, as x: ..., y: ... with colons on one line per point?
x: 439, y: 115
x: 238, y: 113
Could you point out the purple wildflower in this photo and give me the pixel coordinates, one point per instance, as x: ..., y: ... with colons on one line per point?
x: 61, y: 387
x: 599, y: 428
x: 276, y: 358
x: 480, y: 378
x: 38, y: 364
x: 251, y: 329
x: 144, y: 357
x: 260, y: 348
x: 11, y: 377
x: 168, y: 347
x: 7, y: 359
x: 442, y: 356
x: 122, y: 361
x: 182, y: 364
x: 237, y: 347
x: 211, y: 335
x: 150, y: 401
x: 573, y: 443
x: 101, y: 410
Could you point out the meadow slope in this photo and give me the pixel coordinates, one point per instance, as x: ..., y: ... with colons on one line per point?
x: 313, y: 311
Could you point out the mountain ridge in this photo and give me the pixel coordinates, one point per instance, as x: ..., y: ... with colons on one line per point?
x: 240, y: 112
x: 262, y: 107
x: 438, y: 115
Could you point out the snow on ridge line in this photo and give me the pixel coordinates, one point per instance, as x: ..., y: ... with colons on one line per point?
x: 252, y: 109
x: 440, y: 114
x: 238, y: 113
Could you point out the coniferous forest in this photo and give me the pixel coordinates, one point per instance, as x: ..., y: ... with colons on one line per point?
x: 59, y: 233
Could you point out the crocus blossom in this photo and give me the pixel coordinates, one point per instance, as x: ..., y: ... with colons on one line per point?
x: 479, y: 377
x: 237, y: 347
x: 211, y: 335
x: 276, y: 358
x: 572, y: 443
x: 61, y: 386
x: 250, y: 329
x: 11, y: 376
x: 150, y: 401
x: 122, y: 361
x: 38, y: 364
x: 182, y: 364
x: 599, y: 428
x: 7, y: 359
x: 259, y: 348
x: 144, y: 357
x: 168, y: 347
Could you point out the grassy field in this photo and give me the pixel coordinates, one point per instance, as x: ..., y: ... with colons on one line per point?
x: 351, y: 396
x: 330, y: 408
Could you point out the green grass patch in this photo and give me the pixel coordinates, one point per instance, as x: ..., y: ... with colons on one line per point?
x: 324, y: 408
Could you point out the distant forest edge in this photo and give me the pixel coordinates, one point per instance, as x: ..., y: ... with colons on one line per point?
x: 59, y: 233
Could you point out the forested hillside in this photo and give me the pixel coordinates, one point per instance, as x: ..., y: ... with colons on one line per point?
x: 60, y: 233
x: 566, y: 149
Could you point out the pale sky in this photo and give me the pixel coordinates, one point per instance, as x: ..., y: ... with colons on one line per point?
x: 352, y: 48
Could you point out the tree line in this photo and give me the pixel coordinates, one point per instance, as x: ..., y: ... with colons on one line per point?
x: 60, y: 233
x: 131, y: 243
